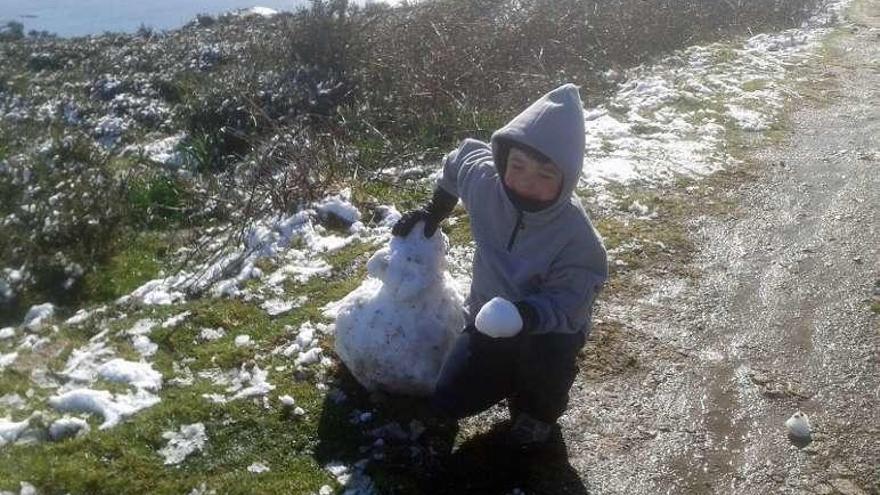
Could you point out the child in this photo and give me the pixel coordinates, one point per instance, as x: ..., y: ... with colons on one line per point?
x: 536, y: 247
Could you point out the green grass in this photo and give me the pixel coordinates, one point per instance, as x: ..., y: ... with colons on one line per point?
x: 136, y: 262
x: 460, y: 233
x: 377, y: 192
x: 725, y: 55
x: 125, y: 459
x: 755, y: 85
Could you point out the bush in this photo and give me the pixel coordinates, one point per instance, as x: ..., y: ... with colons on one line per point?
x: 12, y: 31
x: 62, y: 211
x: 157, y: 199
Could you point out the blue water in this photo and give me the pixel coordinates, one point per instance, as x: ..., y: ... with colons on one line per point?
x: 84, y: 17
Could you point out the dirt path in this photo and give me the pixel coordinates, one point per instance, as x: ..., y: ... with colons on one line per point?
x: 777, y: 319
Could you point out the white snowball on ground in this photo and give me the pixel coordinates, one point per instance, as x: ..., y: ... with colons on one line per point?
x: 798, y: 425
x: 7, y: 333
x: 287, y: 401
x: 499, y: 318
x: 242, y: 340
x: 393, y: 332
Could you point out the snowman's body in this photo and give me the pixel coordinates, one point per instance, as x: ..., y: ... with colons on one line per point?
x: 394, y: 330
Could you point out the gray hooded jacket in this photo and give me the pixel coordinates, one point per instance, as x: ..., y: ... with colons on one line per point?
x: 553, y: 258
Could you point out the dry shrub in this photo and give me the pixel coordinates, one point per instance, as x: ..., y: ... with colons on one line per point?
x: 436, y: 63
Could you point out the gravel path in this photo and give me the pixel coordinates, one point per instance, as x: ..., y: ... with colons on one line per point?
x: 777, y: 319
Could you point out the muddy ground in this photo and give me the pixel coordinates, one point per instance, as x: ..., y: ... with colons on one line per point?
x: 776, y: 318
x: 771, y: 314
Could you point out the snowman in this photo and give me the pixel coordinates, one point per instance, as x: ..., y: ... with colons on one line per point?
x: 394, y: 330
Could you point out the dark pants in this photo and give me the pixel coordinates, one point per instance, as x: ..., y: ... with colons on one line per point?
x: 534, y: 372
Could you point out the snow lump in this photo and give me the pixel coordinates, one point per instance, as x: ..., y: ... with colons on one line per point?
x: 499, y: 318
x: 394, y: 330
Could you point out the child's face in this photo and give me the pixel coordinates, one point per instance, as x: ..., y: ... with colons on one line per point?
x: 532, y: 179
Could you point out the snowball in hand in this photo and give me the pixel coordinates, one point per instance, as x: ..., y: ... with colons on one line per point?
x: 499, y: 318
x: 394, y: 330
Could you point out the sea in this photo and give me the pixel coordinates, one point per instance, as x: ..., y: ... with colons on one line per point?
x: 69, y: 18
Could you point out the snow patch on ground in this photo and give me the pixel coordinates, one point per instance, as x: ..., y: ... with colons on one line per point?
x: 11, y: 431
x: 67, y: 427
x: 138, y: 375
x: 258, y: 468
x: 113, y: 408
x: 176, y: 319
x: 139, y: 340
x: 243, y: 341
x: 275, y: 307
x: 672, y: 118
x: 7, y: 359
x: 82, y: 315
x: 353, y: 479
x: 38, y: 315
x: 83, y: 363
x: 181, y: 444
x: 268, y: 238
x: 211, y: 334
x: 241, y: 383
x: 166, y: 150
x: 340, y: 206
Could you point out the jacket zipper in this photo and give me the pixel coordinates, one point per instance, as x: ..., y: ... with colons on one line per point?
x: 516, y: 228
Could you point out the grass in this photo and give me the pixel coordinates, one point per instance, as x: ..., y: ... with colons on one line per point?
x: 125, y: 459
x: 137, y: 261
x: 459, y: 232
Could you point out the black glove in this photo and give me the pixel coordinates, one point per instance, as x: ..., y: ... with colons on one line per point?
x: 440, y: 206
x: 529, y: 316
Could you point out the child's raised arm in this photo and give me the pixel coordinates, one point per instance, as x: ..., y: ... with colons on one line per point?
x: 466, y: 169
